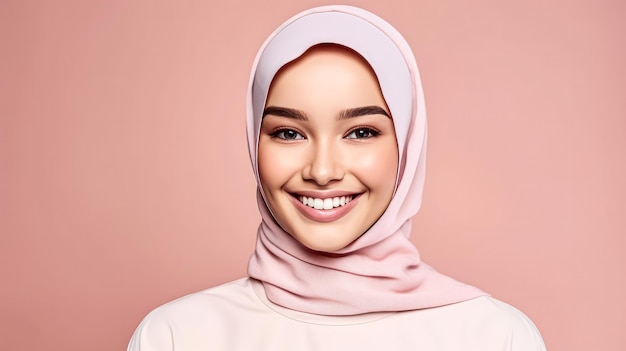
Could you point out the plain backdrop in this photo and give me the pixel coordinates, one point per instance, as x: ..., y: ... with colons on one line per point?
x: 125, y: 180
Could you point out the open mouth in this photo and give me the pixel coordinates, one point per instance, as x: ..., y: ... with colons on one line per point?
x: 327, y: 203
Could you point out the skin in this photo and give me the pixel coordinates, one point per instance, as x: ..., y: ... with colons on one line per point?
x: 327, y: 132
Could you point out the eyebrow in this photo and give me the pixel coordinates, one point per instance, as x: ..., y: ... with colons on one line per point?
x: 362, y: 111
x: 343, y: 114
x: 285, y: 112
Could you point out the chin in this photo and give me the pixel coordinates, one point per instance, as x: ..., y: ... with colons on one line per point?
x: 325, y: 241
x: 324, y: 247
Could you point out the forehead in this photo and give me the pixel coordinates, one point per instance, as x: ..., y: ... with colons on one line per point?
x: 323, y: 56
x: 325, y: 73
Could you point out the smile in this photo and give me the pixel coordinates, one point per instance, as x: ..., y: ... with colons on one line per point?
x: 327, y: 209
x: 325, y: 204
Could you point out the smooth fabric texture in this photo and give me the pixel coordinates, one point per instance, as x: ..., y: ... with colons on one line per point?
x: 238, y: 316
x: 381, y: 270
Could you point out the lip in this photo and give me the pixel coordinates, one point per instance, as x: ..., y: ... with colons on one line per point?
x: 324, y: 216
x: 324, y: 194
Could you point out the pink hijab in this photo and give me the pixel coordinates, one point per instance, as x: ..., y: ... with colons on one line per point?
x: 381, y: 270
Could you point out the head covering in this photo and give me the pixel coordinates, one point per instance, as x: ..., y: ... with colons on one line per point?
x: 381, y: 270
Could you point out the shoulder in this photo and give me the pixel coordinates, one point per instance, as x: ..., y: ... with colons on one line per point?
x: 483, y: 323
x: 500, y: 322
x: 218, y: 299
x: 206, y: 310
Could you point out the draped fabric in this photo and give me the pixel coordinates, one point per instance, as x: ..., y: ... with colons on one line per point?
x: 381, y: 270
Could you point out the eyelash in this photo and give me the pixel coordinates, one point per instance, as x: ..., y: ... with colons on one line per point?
x: 371, y: 131
x: 280, y: 133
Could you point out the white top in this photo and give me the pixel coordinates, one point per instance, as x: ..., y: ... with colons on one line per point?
x: 238, y: 316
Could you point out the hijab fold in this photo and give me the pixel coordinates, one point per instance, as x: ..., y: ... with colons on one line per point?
x: 381, y: 270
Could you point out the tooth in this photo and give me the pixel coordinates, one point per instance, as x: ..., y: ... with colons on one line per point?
x: 310, y: 202
x: 335, y: 202
x: 342, y: 201
x: 318, y: 204
x: 328, y: 204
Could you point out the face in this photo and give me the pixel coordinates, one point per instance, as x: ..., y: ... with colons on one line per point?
x: 327, y: 151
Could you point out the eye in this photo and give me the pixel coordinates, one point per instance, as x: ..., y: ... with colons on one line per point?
x: 362, y: 133
x: 287, y: 134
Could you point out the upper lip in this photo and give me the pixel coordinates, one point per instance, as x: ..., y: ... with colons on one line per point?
x: 324, y: 194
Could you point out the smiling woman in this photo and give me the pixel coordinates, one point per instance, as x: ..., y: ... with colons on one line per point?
x: 336, y: 130
x: 327, y: 149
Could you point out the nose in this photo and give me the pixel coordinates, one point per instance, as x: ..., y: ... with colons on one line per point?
x: 324, y: 164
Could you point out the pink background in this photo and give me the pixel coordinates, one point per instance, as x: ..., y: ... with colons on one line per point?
x: 125, y: 181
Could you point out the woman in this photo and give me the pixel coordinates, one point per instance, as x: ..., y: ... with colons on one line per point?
x: 336, y: 133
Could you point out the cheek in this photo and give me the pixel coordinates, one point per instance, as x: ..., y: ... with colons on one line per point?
x: 276, y: 165
x: 377, y: 168
x: 267, y: 171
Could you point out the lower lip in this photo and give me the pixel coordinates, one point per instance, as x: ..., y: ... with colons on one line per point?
x: 325, y: 215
